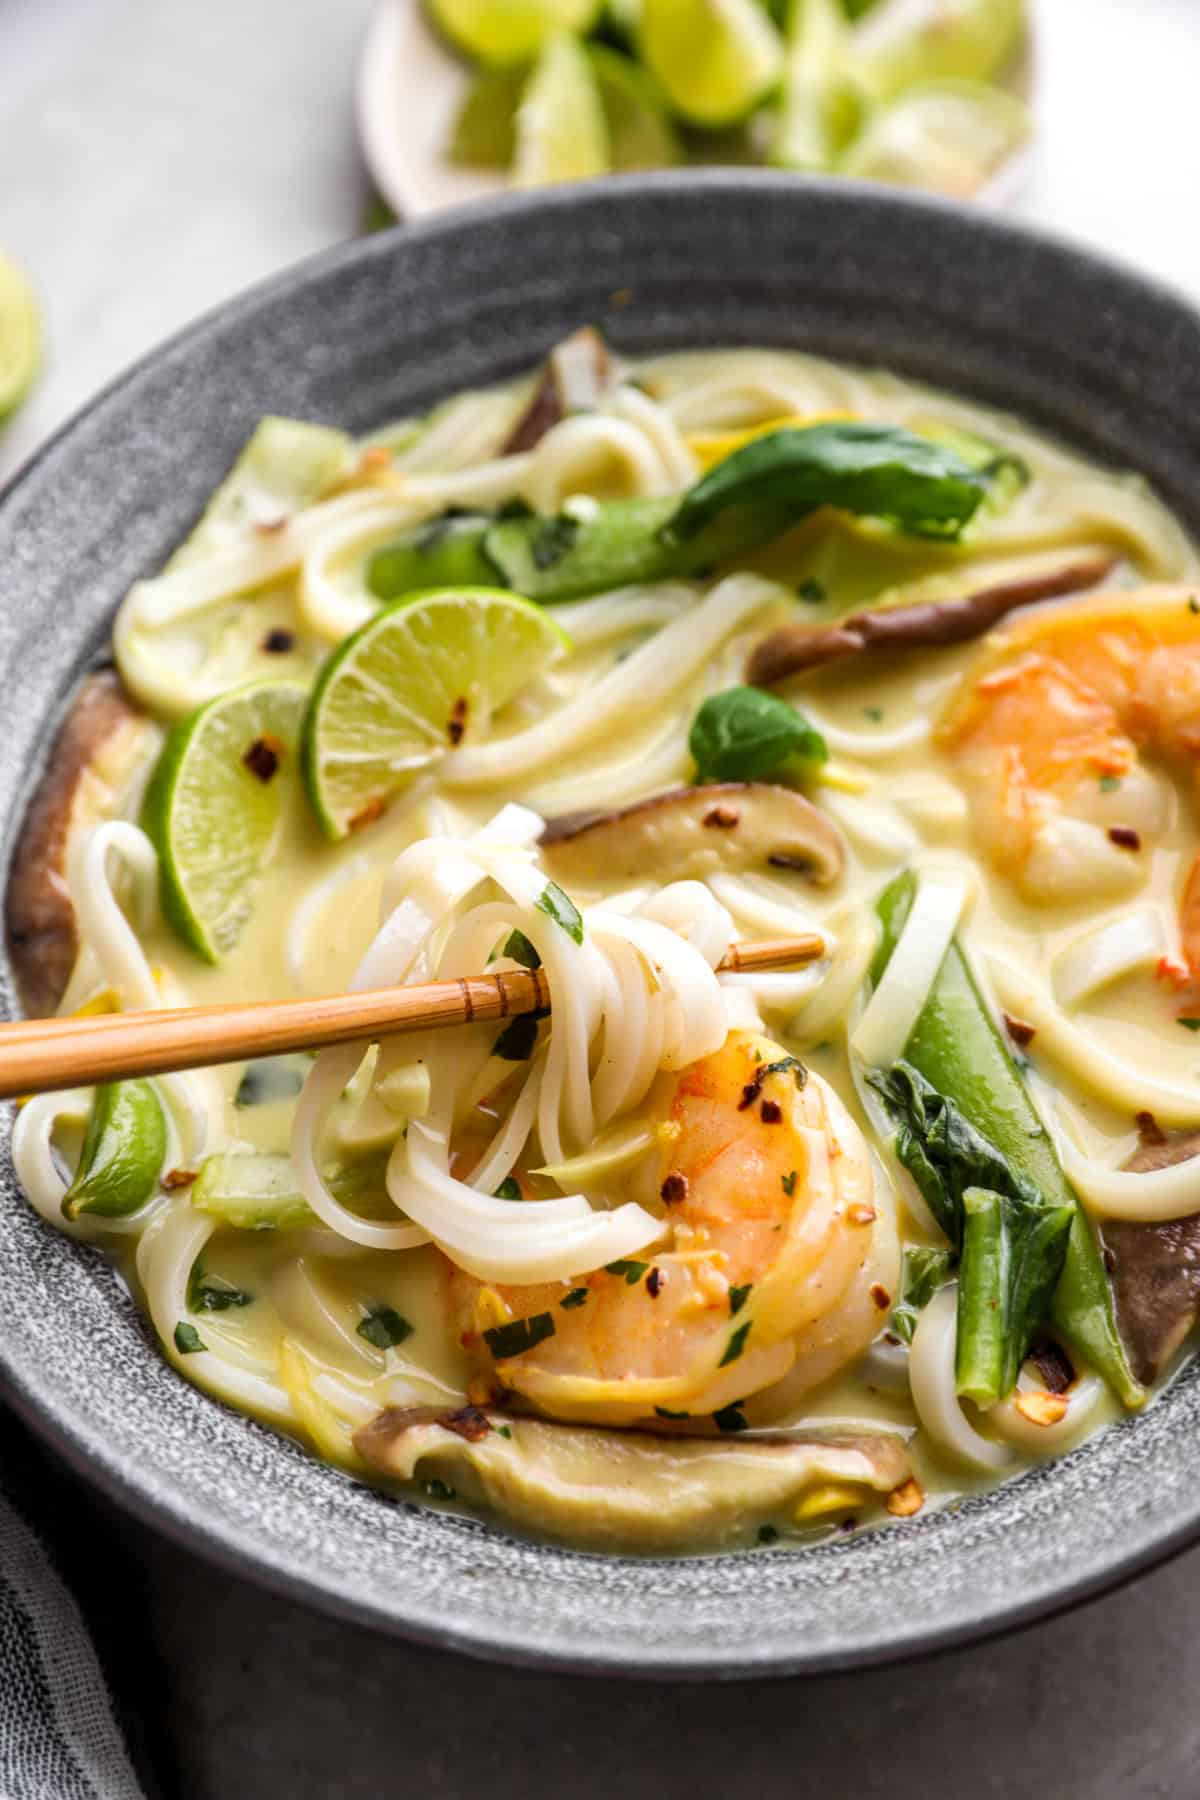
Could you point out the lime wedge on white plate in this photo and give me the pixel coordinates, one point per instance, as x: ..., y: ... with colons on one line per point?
x: 20, y: 336
x: 901, y: 42
x: 948, y: 137
x: 716, y: 59
x: 214, y: 805
x: 509, y: 31
x: 819, y: 108
x: 561, y: 131
x: 415, y: 680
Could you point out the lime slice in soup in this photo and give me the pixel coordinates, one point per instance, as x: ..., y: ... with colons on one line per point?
x: 213, y: 808
x: 20, y: 337
x: 948, y: 137
x: 509, y: 31
x: 716, y: 59
x: 561, y: 132
x: 411, y: 684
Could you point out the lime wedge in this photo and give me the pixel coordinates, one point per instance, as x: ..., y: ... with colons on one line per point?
x: 819, y: 109
x: 636, y: 112
x: 485, y: 131
x: 509, y: 31
x: 948, y: 137
x: 902, y: 42
x: 408, y: 686
x: 561, y: 134
x: 716, y: 59
x: 213, y: 807
x: 20, y: 337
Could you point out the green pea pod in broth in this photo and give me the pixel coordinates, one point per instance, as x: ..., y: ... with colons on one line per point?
x: 123, y: 1152
x: 957, y: 1048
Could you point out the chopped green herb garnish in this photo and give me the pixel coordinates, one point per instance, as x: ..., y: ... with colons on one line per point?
x: 521, y: 950
x: 873, y: 712
x: 562, y: 909
x: 1193, y: 604
x: 925, y: 1271
x: 732, y: 1418
x: 576, y: 1297
x: 811, y: 590
x: 632, y: 1271
x: 738, y: 1297
x: 509, y: 1189
x: 736, y: 1344
x: 384, y: 1327
x: 212, y: 1293
x: 440, y: 1490
x: 1190, y: 1024
x: 518, y: 1335
x: 188, y: 1339
x: 788, y: 1183
x: 552, y: 539
x: 785, y: 1066
x: 503, y: 1431
x: 271, y: 1078
x: 744, y: 734
x: 767, y: 1534
x: 664, y: 1412
x: 516, y: 1041
x: 1109, y: 784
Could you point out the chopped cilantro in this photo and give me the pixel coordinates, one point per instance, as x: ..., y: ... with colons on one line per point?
x: 664, y: 1412
x: 873, y: 712
x: 785, y: 1064
x: 632, y: 1271
x: 738, y: 1297
x: 576, y: 1297
x: 516, y: 1041
x: 519, y: 948
x: 212, y: 1293
x: 788, y: 1183
x: 383, y: 1326
x: 767, y: 1534
x: 562, y: 909
x: 188, y: 1339
x: 518, y: 1335
x: 811, y: 590
x: 509, y: 1189
x: 1193, y: 604
x: 736, y: 1344
x: 731, y: 1417
x: 1190, y: 1024
x: 503, y: 1431
x: 1109, y: 784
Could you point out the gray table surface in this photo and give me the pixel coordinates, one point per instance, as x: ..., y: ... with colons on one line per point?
x: 156, y: 156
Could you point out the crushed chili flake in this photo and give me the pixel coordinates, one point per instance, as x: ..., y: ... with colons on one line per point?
x: 654, y: 1281
x: 263, y: 757
x: 457, y: 724
x: 1041, y: 1409
x: 468, y: 1422
x: 1019, y: 1030
x: 906, y: 1500
x: 1124, y: 837
x: 376, y: 457
x: 1149, y: 1129
x: 269, y: 527
x: 278, y: 641
x: 1169, y: 970
x: 178, y: 1178
x: 1053, y: 1365
x: 367, y: 815
x: 860, y: 1213
x: 771, y: 1112
x: 674, y: 1189
x: 1109, y: 1260
x: 880, y: 1296
x: 750, y: 1094
x: 721, y: 818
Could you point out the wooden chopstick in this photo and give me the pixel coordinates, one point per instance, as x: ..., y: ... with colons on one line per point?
x: 38, y: 1056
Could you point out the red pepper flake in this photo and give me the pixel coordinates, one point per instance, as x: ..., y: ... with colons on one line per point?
x: 654, y: 1283
x: 1053, y: 1365
x: 269, y: 527
x: 860, y: 1213
x: 1019, y: 1030
x: 468, y: 1422
x: 771, y: 1112
x: 367, y: 815
x: 376, y: 457
x: 457, y: 724
x: 1124, y: 837
x: 674, y: 1189
x: 880, y: 1296
x: 278, y: 641
x: 1149, y: 1129
x: 750, y: 1094
x: 1175, y: 974
x: 178, y: 1178
x: 263, y: 757
x: 721, y: 818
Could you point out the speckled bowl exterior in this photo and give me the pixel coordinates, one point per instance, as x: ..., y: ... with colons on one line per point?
x: 383, y: 327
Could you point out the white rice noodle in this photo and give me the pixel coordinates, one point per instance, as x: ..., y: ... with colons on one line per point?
x: 868, y: 744
x: 1122, y: 1084
x: 1083, y: 1399
x: 931, y: 1377
x: 332, y: 606
x: 1132, y: 941
x: 576, y: 455
x: 309, y: 909
x: 678, y: 462
x: 877, y: 828
x: 658, y: 759
x: 879, y: 1038
x: 1150, y: 1197
x: 624, y: 610
x: 643, y: 683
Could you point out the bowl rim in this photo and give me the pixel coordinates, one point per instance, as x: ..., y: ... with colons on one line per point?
x: 66, y: 1427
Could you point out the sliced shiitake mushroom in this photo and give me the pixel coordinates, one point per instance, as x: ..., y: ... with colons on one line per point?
x: 932, y: 624
x: 573, y: 378
x: 100, y: 744
x: 692, y: 831
x: 1156, y: 1268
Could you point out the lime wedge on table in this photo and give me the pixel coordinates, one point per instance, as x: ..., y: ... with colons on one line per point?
x: 508, y: 31
x: 905, y: 41
x: 20, y: 337
x: 408, y: 686
x: 948, y: 137
x: 213, y: 807
x: 716, y: 59
x: 819, y: 109
x: 561, y: 132
x: 636, y: 112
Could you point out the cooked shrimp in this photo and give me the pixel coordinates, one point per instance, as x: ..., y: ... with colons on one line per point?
x: 778, y: 1258
x: 1048, y: 738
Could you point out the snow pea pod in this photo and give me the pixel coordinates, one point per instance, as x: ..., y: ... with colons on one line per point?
x: 123, y: 1152
x: 1012, y: 1256
x: 957, y: 1048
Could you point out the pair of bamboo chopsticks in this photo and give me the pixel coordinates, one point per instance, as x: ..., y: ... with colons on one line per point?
x: 41, y: 1055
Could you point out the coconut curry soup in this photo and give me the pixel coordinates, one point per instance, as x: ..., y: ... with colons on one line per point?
x: 600, y: 672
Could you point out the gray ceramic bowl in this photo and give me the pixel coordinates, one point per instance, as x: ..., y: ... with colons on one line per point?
x: 383, y: 327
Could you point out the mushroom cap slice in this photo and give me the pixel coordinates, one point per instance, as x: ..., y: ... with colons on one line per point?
x: 622, y: 1490
x: 1156, y: 1268
x: 101, y: 743
x: 695, y: 831
x: 572, y: 379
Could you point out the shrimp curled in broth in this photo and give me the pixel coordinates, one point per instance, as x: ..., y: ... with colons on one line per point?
x: 779, y: 1258
x: 1048, y: 737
